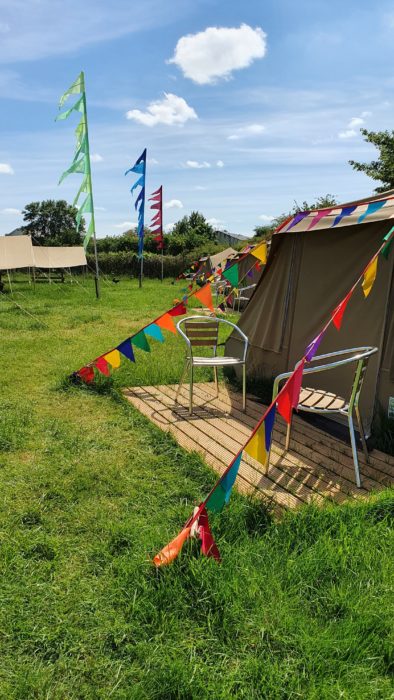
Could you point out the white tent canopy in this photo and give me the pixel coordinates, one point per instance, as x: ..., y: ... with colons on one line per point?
x: 18, y: 252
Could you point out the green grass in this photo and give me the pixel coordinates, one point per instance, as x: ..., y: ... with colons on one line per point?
x: 91, y: 490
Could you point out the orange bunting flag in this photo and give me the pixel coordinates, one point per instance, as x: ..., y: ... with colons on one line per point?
x: 260, y: 253
x: 171, y: 550
x: 370, y: 276
x: 205, y: 296
x: 102, y: 366
x: 340, y: 310
x: 113, y: 358
x: 290, y: 394
x: 166, y: 322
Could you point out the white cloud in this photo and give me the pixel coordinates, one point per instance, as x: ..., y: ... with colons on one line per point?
x: 152, y: 161
x: 218, y: 51
x: 355, y: 121
x: 245, y: 131
x: 348, y: 134
x: 196, y: 164
x: 10, y: 210
x: 168, y: 228
x: 266, y: 218
x: 170, y: 110
x: 6, y: 169
x: 220, y: 164
x: 96, y: 158
x: 126, y: 225
x: 216, y: 223
x: 173, y: 204
x: 365, y: 115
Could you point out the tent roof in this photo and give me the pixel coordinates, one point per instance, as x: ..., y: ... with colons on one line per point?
x: 327, y: 220
x: 223, y: 255
x: 49, y: 257
x: 16, y: 251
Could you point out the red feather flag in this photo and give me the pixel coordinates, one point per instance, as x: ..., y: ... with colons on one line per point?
x: 157, y: 220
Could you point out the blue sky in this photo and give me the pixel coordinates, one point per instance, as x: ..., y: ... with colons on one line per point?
x: 258, y: 103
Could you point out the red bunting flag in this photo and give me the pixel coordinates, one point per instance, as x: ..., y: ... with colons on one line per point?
x: 290, y: 394
x: 340, y: 310
x: 178, y: 310
x: 205, y: 296
x: 86, y: 374
x: 208, y: 544
x: 102, y: 366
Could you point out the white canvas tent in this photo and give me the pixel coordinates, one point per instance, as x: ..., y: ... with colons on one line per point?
x: 50, y: 257
x: 17, y: 252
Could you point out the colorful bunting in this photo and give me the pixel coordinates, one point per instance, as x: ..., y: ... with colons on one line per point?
x: 260, y: 253
x: 173, y: 549
x: 371, y: 209
x: 298, y: 217
x: 346, y: 211
x: 319, y: 215
x: 222, y: 492
x: 288, y: 397
x: 205, y: 296
x: 140, y: 168
x: 140, y: 341
x: 165, y: 321
x: 154, y: 332
x: 208, y: 544
x: 113, y: 358
x: 370, y: 276
x: 340, y: 310
x: 86, y: 374
x: 259, y: 445
x: 313, y: 347
x: 178, y: 310
x: 102, y: 366
x: 126, y: 349
x: 232, y: 275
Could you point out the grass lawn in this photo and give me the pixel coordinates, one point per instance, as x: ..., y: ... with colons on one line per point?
x: 90, y: 490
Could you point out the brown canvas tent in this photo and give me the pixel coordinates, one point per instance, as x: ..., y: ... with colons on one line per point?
x: 307, y: 274
x: 211, y: 262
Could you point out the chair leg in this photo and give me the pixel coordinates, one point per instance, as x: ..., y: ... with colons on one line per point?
x: 191, y: 390
x: 362, y: 433
x: 184, y: 370
x: 244, y: 387
x: 354, y: 450
x: 215, y: 373
x: 288, y: 433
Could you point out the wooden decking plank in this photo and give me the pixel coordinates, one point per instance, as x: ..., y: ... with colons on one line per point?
x: 282, y: 466
x: 321, y: 442
x: 214, y: 454
x: 333, y: 469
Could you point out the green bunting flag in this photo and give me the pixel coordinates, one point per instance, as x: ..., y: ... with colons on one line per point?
x: 81, y: 160
x: 140, y: 341
x: 232, y: 275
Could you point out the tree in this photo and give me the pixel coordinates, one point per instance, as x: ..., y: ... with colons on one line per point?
x: 383, y: 168
x: 324, y: 202
x: 53, y: 222
x: 190, y: 232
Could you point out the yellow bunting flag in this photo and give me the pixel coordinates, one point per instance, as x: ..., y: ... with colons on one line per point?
x: 172, y: 549
x: 166, y: 322
x: 370, y: 276
x: 256, y: 448
x: 113, y: 358
x: 260, y: 253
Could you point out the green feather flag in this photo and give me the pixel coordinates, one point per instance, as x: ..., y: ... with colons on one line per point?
x: 81, y: 160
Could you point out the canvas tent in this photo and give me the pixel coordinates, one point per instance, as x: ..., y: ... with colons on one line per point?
x: 211, y: 262
x: 308, y: 273
x: 17, y: 252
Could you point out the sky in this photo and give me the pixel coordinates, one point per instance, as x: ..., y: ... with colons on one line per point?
x: 244, y: 107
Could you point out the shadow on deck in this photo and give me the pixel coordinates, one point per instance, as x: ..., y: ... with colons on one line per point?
x: 317, y: 467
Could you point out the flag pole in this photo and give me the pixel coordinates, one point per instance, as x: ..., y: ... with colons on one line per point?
x: 142, y: 232
x: 162, y: 238
x: 89, y: 174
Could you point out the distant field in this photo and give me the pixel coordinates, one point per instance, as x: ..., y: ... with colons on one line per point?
x: 90, y: 490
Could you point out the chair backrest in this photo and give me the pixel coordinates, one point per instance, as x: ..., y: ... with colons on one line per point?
x: 202, y: 333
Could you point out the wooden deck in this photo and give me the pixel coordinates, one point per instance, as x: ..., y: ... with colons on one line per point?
x: 317, y: 467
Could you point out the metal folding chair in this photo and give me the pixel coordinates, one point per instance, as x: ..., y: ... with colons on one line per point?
x: 324, y: 402
x: 200, y: 331
x: 241, y: 297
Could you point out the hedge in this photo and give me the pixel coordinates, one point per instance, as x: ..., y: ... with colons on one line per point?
x: 126, y: 263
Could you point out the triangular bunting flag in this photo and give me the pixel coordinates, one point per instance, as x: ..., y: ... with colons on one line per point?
x: 346, y: 211
x: 259, y: 445
x: 178, y: 310
x: 232, y: 275
x: 340, y: 310
x: 313, y: 347
x: 208, y: 544
x: 154, y: 332
x: 76, y: 88
x: 371, y: 209
x: 166, y: 322
x: 319, y: 215
x: 113, y: 358
x: 289, y: 395
x: 102, y: 366
x: 140, y: 341
x: 260, y: 253
x: 171, y: 550
x: 86, y: 374
x: 298, y: 217
x: 126, y: 349
x: 205, y: 296
x: 370, y: 276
